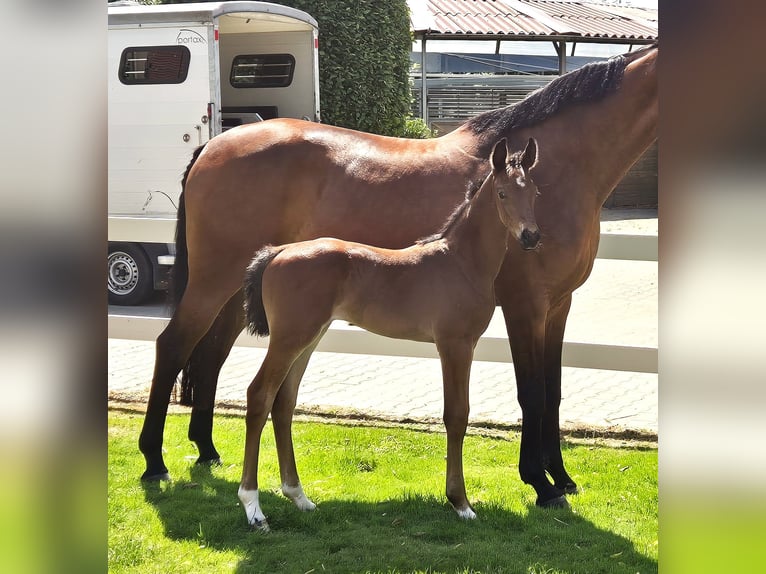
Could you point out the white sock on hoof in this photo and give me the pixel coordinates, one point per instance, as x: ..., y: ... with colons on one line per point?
x: 466, y: 513
x: 249, y: 500
x: 296, y: 494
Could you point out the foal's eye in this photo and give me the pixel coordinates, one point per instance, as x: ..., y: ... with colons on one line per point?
x: 501, y: 194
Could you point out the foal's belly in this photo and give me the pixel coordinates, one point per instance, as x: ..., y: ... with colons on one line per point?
x: 388, y: 323
x: 415, y: 317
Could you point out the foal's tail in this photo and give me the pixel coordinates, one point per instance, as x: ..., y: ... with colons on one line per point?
x: 257, y: 323
x: 179, y: 275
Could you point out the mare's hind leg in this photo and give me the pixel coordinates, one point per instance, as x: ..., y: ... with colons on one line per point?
x: 551, y: 434
x: 189, y: 323
x: 204, y: 367
x: 456, y: 357
x: 260, y: 397
x: 282, y: 419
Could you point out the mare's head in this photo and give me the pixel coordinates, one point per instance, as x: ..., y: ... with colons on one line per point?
x: 515, y: 192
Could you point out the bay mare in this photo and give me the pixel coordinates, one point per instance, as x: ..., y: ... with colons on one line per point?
x: 284, y: 180
x: 440, y: 290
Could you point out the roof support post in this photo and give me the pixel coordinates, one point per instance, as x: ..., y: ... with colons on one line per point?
x: 562, y: 50
x: 423, y: 82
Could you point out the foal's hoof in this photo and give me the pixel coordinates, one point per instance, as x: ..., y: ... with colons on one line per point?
x: 208, y: 462
x: 155, y: 476
x: 466, y: 513
x: 558, y: 502
x: 260, y: 526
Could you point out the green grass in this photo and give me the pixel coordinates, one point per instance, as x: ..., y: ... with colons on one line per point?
x: 381, y: 506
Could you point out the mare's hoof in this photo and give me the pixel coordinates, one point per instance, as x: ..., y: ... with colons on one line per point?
x: 154, y: 476
x: 260, y: 526
x: 558, y: 502
x: 569, y: 488
x: 208, y: 462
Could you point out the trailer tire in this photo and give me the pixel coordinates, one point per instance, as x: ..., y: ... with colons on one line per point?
x: 130, y: 279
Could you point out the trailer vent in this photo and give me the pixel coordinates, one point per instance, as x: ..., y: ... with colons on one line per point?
x: 154, y: 65
x: 262, y: 71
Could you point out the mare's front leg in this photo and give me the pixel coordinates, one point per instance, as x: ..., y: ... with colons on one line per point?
x: 260, y: 398
x: 282, y: 420
x: 456, y: 357
x: 551, y: 433
x: 526, y: 331
x: 203, y: 370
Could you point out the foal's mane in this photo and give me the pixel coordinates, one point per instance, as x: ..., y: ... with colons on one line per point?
x: 589, y: 83
x: 461, y: 211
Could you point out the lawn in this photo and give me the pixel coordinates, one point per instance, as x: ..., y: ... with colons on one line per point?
x: 381, y: 506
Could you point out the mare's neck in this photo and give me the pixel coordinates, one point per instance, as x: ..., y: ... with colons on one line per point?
x: 589, y: 147
x: 479, y: 239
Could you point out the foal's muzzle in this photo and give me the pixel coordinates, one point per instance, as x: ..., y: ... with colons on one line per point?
x: 529, y: 239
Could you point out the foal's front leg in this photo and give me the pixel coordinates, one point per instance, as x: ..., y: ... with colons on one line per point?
x: 456, y: 357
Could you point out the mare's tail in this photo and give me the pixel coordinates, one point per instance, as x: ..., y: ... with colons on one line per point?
x: 179, y: 274
x: 257, y: 323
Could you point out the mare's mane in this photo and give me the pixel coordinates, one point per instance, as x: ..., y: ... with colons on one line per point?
x: 589, y: 83
x: 461, y: 211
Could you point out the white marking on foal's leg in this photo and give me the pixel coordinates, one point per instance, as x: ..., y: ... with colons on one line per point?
x: 466, y: 513
x: 296, y: 494
x: 255, y: 516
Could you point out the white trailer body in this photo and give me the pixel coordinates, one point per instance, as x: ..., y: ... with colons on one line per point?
x: 179, y: 75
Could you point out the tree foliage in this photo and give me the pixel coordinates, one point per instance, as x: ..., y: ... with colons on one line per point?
x: 364, y: 49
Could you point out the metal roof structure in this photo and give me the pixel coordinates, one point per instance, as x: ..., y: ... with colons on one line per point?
x: 556, y: 20
x: 562, y: 22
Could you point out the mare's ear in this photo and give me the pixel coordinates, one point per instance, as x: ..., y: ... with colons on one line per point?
x: 499, y: 155
x: 529, y: 157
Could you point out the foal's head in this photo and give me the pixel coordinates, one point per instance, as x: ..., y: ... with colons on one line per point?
x: 515, y: 192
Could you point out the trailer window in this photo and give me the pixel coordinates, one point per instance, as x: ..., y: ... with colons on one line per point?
x: 154, y: 65
x: 262, y: 71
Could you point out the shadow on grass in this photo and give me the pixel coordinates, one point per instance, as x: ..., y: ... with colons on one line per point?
x: 401, y: 535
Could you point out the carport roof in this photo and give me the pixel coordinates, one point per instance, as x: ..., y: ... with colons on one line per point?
x: 532, y: 20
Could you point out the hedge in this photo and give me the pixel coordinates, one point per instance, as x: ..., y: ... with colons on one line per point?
x: 364, y: 59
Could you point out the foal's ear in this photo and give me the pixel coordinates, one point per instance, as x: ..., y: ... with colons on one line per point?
x: 529, y: 156
x: 499, y: 155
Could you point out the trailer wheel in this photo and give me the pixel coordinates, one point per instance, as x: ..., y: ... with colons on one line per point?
x: 129, y: 275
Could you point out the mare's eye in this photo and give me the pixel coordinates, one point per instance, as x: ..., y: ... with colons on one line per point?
x: 501, y: 194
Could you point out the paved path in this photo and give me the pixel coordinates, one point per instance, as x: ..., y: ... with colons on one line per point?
x: 410, y: 389
x: 618, y: 304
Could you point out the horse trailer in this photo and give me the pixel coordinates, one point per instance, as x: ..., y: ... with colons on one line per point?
x: 179, y: 75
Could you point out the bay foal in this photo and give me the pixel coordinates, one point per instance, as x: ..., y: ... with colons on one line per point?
x: 439, y: 290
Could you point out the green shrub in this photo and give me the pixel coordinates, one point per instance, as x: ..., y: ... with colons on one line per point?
x: 364, y: 61
x: 416, y: 128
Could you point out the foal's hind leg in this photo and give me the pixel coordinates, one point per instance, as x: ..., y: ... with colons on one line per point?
x: 260, y: 397
x: 551, y: 434
x: 456, y: 357
x: 204, y: 367
x: 191, y: 319
x: 282, y: 419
